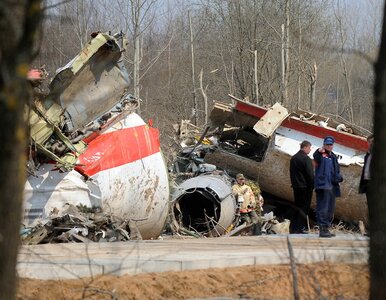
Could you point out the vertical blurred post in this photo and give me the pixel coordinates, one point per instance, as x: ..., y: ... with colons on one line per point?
x: 377, y: 191
x: 20, y: 23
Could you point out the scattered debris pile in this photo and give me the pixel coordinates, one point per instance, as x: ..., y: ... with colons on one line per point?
x: 80, y: 224
x: 269, y: 224
x: 203, y: 203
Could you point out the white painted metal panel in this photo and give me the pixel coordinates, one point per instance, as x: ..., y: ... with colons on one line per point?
x: 138, y: 190
x: 288, y: 141
x: 272, y: 119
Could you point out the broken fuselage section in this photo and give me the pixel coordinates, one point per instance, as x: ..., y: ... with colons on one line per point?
x: 272, y: 172
x: 259, y: 142
x: 89, y: 147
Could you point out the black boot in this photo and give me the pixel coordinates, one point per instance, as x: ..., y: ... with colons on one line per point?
x: 324, y: 232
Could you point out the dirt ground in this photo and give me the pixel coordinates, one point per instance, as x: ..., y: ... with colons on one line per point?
x: 315, y: 281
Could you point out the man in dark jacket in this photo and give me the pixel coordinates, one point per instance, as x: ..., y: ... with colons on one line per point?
x: 302, y: 180
x: 365, y: 177
x: 327, y: 179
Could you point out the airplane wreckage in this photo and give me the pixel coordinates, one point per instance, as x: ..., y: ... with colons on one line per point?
x: 89, y: 148
x: 90, y: 151
x: 259, y: 142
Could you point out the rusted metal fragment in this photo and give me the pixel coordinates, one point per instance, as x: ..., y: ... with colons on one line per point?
x: 36, y: 236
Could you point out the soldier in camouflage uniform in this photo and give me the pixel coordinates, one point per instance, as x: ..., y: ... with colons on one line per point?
x: 250, y: 208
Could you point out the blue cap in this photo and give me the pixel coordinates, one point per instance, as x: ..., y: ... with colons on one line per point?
x: 329, y: 140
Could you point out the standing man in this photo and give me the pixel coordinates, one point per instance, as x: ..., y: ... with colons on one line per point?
x: 365, y: 177
x: 246, y: 199
x: 302, y: 180
x: 327, y: 179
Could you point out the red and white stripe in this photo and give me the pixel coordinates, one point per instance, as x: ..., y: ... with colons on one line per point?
x: 126, y: 175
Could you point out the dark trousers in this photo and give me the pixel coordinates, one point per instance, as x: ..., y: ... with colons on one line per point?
x: 249, y: 217
x: 325, y: 207
x: 303, y: 198
x: 365, y: 188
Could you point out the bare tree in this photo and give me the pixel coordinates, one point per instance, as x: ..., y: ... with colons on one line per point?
x: 312, y: 72
x: 225, y: 35
x: 195, y: 106
x: 346, y: 71
x: 299, y: 55
x: 255, y: 77
x: 138, y: 16
x: 68, y: 27
x: 19, y: 27
x: 81, y: 12
x: 205, y: 97
x: 285, y: 52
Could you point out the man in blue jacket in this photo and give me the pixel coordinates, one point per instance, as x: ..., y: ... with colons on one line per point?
x: 327, y: 179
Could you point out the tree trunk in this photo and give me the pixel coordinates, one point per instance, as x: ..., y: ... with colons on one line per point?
x: 285, y: 54
x: 205, y: 97
x: 313, y: 79
x: 299, y: 57
x: 346, y: 73
x: 16, y: 41
x: 255, y: 77
x: 136, y: 7
x: 137, y: 61
x: 348, y: 84
x: 377, y: 203
x: 283, y: 86
x: 193, y: 75
x: 287, y: 47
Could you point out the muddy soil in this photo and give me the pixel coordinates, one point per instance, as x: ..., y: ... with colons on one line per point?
x: 315, y: 281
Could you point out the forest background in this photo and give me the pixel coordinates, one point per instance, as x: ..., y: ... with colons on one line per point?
x: 313, y: 55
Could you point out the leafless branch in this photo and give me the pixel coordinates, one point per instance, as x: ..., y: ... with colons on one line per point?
x: 154, y: 60
x: 56, y: 5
